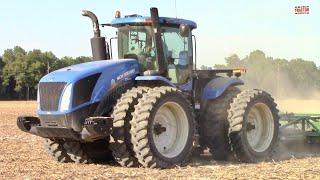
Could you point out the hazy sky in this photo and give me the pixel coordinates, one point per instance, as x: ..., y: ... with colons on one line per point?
x: 224, y: 27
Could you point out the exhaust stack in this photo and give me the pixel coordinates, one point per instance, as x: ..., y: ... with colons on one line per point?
x: 98, y: 43
x: 158, y: 41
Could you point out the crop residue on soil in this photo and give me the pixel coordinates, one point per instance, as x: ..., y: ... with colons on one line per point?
x: 22, y: 157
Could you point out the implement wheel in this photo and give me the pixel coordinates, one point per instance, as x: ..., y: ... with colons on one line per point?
x: 254, y: 126
x: 163, y: 128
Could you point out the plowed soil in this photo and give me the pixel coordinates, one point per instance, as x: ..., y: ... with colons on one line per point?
x: 22, y: 157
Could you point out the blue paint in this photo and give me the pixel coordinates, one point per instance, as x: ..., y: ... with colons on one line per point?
x: 187, y: 86
x: 142, y: 19
x: 154, y: 78
x: 217, y: 86
x: 111, y: 70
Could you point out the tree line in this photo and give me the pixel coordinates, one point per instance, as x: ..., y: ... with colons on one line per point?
x: 295, y: 78
x: 20, y: 71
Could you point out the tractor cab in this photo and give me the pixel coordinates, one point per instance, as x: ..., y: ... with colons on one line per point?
x: 162, y: 46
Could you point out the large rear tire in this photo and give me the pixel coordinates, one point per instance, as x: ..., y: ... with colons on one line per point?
x: 56, y: 150
x: 121, y: 146
x: 163, y: 128
x: 254, y: 126
x: 214, y: 125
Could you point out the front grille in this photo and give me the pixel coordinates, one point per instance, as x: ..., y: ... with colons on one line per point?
x: 50, y: 93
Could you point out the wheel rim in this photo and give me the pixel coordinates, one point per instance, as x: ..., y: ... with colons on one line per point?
x: 170, y: 129
x: 260, y: 127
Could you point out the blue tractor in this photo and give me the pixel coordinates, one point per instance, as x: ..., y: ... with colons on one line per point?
x: 150, y: 107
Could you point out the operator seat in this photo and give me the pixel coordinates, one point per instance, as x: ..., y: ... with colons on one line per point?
x: 178, y: 71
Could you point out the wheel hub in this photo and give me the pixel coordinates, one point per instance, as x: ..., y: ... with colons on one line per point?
x: 250, y: 126
x: 159, y: 129
x: 259, y: 127
x: 170, y: 129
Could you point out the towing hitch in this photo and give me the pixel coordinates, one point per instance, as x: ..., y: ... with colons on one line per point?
x: 93, y: 128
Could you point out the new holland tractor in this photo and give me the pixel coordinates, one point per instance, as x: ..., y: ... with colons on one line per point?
x: 150, y: 107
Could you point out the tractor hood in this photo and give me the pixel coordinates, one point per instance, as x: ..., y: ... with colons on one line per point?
x: 69, y: 89
x: 76, y: 72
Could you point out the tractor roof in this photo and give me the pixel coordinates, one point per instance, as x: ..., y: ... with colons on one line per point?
x: 141, y: 20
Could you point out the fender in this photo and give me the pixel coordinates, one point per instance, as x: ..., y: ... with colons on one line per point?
x: 155, y: 79
x: 217, y: 86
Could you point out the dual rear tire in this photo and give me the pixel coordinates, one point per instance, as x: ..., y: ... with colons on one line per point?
x: 163, y: 128
x: 214, y: 125
x: 254, y: 126
x: 241, y: 125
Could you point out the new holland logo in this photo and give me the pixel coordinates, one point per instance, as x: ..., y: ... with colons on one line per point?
x: 125, y: 74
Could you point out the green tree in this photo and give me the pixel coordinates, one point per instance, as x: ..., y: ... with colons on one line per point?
x: 203, y: 67
x: 234, y: 61
x: 15, y: 67
x: 38, y: 64
x: 20, y: 71
x: 82, y: 59
x: 281, y: 77
x: 2, y: 90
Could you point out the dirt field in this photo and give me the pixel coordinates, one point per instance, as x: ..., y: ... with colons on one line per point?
x: 22, y: 157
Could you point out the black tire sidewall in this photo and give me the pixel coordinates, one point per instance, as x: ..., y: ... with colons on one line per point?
x: 177, y: 98
x: 245, y: 144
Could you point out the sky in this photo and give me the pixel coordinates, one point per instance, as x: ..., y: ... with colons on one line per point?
x: 225, y: 27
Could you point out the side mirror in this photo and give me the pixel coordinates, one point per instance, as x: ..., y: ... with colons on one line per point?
x: 184, y: 30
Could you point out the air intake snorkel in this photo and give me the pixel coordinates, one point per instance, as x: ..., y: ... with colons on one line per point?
x: 98, y: 43
x: 158, y: 41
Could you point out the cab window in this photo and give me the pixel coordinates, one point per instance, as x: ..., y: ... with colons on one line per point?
x: 178, y: 54
x: 136, y: 42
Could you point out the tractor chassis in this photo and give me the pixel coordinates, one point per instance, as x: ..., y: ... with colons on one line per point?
x: 93, y: 128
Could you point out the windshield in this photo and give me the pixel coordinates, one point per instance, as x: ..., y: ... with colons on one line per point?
x: 137, y: 42
x: 178, y: 54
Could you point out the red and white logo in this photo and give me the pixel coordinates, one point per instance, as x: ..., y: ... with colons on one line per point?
x: 301, y: 10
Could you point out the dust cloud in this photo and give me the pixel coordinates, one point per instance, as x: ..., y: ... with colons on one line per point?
x: 304, y: 106
x: 290, y: 97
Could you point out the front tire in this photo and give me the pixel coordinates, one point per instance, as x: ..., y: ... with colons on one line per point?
x: 98, y: 150
x: 56, y: 150
x: 254, y: 126
x: 163, y: 128
x: 77, y: 152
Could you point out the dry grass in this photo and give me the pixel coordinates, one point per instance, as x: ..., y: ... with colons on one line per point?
x: 22, y: 157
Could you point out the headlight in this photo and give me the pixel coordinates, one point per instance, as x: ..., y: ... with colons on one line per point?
x: 38, y: 98
x: 66, y: 98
